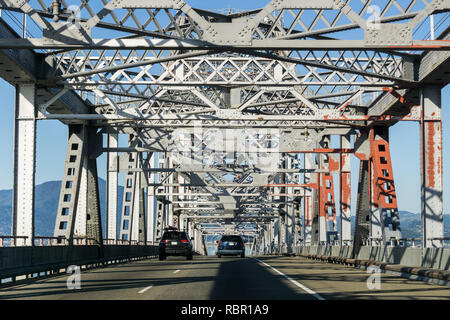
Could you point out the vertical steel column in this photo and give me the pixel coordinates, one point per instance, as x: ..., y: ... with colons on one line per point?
x: 162, y: 211
x: 345, y: 191
x: 384, y: 197
x: 82, y: 205
x: 181, y: 222
x: 111, y: 185
x: 431, y: 167
x: 151, y: 203
x: 93, y: 218
x: 68, y: 205
x: 159, y: 218
x: 128, y: 203
x: 24, y: 162
x: 282, y: 224
x: 136, y: 208
x: 375, y: 226
x: 196, y: 246
x: 362, y: 219
x: 142, y: 226
x: 323, y: 164
x: 308, y: 206
x: 171, y: 181
x: 290, y: 213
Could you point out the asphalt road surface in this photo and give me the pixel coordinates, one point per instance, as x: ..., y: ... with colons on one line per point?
x: 227, y: 278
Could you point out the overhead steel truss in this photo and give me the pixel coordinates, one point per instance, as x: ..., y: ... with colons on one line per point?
x: 230, y: 116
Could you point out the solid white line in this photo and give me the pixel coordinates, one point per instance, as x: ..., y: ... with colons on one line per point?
x: 298, y: 284
x: 145, y: 289
x: 176, y: 271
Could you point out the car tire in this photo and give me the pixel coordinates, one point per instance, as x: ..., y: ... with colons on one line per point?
x: 161, y: 257
x: 189, y: 257
x: 242, y: 255
x: 219, y: 256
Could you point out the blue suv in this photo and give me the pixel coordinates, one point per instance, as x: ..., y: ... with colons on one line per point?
x: 231, y: 245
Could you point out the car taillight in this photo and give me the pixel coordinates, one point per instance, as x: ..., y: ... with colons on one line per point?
x: 184, y: 241
x: 220, y: 243
x: 165, y: 241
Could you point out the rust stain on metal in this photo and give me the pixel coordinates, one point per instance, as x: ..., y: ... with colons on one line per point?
x: 431, y: 132
x: 345, y: 191
x: 332, y: 165
x: 361, y: 156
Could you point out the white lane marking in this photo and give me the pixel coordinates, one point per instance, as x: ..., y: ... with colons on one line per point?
x: 145, y: 289
x: 298, y: 284
x: 176, y: 271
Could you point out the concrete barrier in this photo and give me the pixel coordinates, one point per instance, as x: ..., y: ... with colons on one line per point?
x: 18, y: 261
x: 435, y: 258
x: 433, y: 263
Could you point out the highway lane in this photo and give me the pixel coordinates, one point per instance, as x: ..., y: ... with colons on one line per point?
x: 230, y: 278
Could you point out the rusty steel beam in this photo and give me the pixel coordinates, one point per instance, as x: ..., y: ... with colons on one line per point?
x: 345, y: 191
x: 431, y: 167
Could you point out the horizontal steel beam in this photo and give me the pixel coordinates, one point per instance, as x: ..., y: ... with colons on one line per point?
x: 191, y: 44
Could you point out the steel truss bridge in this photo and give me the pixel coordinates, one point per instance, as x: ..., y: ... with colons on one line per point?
x: 229, y: 120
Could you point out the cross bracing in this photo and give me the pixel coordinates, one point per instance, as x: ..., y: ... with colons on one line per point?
x: 229, y: 116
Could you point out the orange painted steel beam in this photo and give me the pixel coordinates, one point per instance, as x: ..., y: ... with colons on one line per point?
x: 323, y: 150
x: 384, y: 193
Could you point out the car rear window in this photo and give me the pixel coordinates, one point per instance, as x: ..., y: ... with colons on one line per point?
x: 174, y: 236
x: 231, y: 238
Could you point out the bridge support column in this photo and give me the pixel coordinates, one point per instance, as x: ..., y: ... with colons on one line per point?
x: 281, y: 233
x: 111, y: 185
x: 129, y: 196
x: 78, y: 212
x: 136, y: 207
x: 72, y: 207
x: 431, y: 168
x: 362, y: 222
x: 322, y: 192
x: 151, y: 205
x: 290, y: 212
x: 182, y: 222
x: 384, y: 198
x: 24, y: 162
x: 151, y: 214
x: 376, y: 190
x: 93, y: 215
x: 272, y: 242
x: 283, y: 208
x: 345, y: 191
x: 308, y: 204
x: 171, y: 188
x: 159, y: 227
x: 142, y: 226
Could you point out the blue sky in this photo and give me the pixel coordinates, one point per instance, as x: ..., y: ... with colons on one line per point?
x: 52, y: 136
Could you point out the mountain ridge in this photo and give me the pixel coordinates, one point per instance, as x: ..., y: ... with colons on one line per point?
x: 46, y: 205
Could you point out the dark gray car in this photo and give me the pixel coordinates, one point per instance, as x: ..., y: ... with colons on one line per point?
x: 175, y: 243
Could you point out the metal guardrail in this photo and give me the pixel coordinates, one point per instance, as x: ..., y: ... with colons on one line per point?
x: 33, y: 261
x: 41, y: 241
x: 12, y: 240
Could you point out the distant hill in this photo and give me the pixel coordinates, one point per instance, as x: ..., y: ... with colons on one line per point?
x: 46, y: 205
x: 47, y: 195
x: 411, y: 224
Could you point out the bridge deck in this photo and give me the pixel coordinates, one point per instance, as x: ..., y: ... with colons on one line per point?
x: 228, y: 278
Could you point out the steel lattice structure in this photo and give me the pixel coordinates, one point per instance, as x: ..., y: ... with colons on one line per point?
x: 229, y: 116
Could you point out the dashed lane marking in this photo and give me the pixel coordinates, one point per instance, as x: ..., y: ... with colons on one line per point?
x: 298, y: 284
x: 145, y: 289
